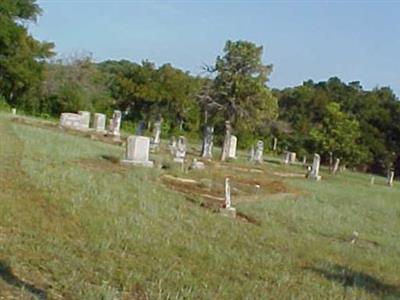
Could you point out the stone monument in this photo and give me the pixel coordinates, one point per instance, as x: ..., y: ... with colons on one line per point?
x: 314, y: 175
x: 115, y: 123
x: 99, y: 122
x: 180, y: 153
x: 85, y: 119
x: 259, y: 154
x: 227, y: 209
x: 137, y: 151
x: 208, y: 142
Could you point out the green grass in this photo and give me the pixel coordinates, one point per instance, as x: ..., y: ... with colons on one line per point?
x: 75, y: 225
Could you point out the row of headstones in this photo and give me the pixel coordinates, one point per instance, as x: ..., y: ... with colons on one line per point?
x: 81, y: 121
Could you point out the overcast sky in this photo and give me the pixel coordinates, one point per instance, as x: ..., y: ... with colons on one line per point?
x: 354, y: 40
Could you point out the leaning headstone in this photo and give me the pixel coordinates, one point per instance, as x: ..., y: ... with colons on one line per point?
x: 227, y: 141
x: 275, y: 144
x: 13, y: 111
x: 70, y: 120
x: 180, y: 153
x: 99, y: 122
x: 85, y: 119
x: 259, y: 154
x: 232, y: 147
x: 227, y: 209
x: 314, y: 175
x: 208, y: 142
x: 292, y: 157
x: 115, y: 123
x: 390, y: 178
x: 137, y: 151
x: 336, y: 166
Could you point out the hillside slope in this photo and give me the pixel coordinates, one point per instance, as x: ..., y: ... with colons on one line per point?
x: 76, y: 225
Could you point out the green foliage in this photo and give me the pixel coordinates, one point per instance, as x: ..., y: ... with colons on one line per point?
x: 239, y: 90
x: 21, y: 56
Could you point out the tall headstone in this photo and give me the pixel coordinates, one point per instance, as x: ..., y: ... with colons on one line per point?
x: 157, y: 133
x: 13, y: 111
x: 286, y: 157
x: 292, y: 157
x: 140, y: 128
x: 232, y: 147
x: 390, y: 178
x: 172, y: 145
x: 227, y: 208
x: 137, y: 151
x: 259, y: 154
x: 315, y: 168
x: 275, y: 144
x: 252, y: 153
x: 180, y: 153
x: 115, y: 123
x: 70, y: 120
x: 85, y: 119
x: 336, y: 166
x: 227, y: 141
x: 208, y: 142
x: 99, y: 122
x: 304, y: 160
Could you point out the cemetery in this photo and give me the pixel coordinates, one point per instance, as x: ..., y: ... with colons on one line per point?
x: 267, y: 199
x: 141, y: 159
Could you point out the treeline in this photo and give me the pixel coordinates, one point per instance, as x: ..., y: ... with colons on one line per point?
x: 332, y: 118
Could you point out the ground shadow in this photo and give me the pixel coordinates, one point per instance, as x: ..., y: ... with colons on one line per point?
x: 110, y: 158
x: 7, y: 275
x: 350, y: 278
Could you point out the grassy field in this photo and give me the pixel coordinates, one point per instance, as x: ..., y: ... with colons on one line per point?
x: 75, y: 224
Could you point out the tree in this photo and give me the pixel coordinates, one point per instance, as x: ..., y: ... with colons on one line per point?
x: 239, y: 88
x: 21, y: 56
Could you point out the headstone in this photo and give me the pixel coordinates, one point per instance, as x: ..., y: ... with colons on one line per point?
x: 99, y: 122
x: 390, y: 178
x: 314, y: 175
x: 208, y: 142
x: 286, y: 157
x: 227, y: 209
x: 115, y: 123
x: 180, y: 153
x: 140, y: 128
x: 252, y: 154
x: 232, y: 147
x: 85, y: 119
x: 70, y: 120
x: 304, y: 160
x: 137, y: 151
x: 336, y: 166
x: 157, y: 133
x: 259, y: 154
x: 197, y: 165
x: 227, y: 141
x: 275, y: 144
x: 172, y: 145
x: 13, y: 111
x: 372, y: 180
x: 292, y: 157
x: 331, y: 160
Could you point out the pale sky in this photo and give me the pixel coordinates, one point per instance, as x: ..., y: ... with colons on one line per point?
x: 354, y: 40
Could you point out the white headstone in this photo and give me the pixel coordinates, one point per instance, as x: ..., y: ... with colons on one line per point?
x: 227, y: 141
x: 292, y: 157
x: 259, y: 152
x: 197, y: 165
x: 304, y: 160
x: 232, y: 147
x: 137, y: 151
x: 99, y: 122
x: 336, y: 166
x: 315, y: 168
x: 275, y: 144
x: 115, y: 123
x: 70, y: 120
x: 390, y: 178
x: 85, y: 119
x: 172, y: 145
x: 180, y: 153
x: 157, y: 132
x: 208, y: 142
x: 14, y: 111
x: 228, y: 200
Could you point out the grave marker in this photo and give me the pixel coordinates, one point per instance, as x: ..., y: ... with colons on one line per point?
x: 137, y: 151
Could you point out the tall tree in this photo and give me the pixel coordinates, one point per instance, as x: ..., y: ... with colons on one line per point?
x: 21, y: 56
